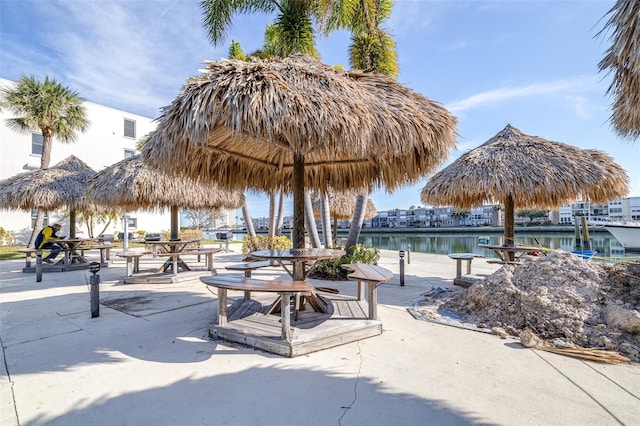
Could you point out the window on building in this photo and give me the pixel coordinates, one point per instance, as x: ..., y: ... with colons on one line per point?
x: 34, y: 215
x: 36, y: 144
x: 129, y: 128
x: 128, y: 153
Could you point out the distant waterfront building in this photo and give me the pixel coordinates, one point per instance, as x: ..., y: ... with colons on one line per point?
x: 622, y: 210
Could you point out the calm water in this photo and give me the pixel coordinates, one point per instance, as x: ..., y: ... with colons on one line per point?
x: 606, y: 245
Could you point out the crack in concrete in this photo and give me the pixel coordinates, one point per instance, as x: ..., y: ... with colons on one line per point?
x: 346, y: 408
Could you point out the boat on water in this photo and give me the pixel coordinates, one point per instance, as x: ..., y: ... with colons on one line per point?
x: 627, y: 234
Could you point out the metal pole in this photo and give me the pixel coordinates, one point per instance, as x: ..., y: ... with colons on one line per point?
x: 401, y: 268
x: 38, y: 266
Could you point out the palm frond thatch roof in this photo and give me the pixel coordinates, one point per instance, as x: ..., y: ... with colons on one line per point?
x: 535, y: 172
x: 131, y: 185
x: 622, y: 59
x: 342, y: 205
x: 49, y: 189
x: 242, y: 124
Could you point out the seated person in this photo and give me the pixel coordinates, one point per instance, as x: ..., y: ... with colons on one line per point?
x: 44, y: 241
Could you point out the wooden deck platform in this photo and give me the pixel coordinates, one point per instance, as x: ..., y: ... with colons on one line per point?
x: 249, y: 324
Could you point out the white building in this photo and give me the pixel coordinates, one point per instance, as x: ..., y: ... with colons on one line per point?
x: 112, y: 136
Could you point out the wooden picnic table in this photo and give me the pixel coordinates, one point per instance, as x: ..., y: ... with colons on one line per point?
x: 172, y: 250
x: 75, y: 248
x: 300, y: 258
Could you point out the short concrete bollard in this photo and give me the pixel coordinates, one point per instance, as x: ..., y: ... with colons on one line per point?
x: 94, y: 268
x: 38, y: 266
x: 401, y: 268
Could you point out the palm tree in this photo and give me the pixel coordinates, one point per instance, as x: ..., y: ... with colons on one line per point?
x: 291, y: 33
x: 371, y: 50
x: 48, y: 106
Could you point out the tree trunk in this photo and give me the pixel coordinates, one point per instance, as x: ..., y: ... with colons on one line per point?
x: 247, y: 220
x: 326, y: 221
x: 297, y: 234
x: 280, y: 214
x: 45, y: 159
x: 310, y: 220
x: 335, y: 230
x: 272, y: 214
x: 72, y: 223
x: 175, y: 226
x: 37, y: 227
x: 356, y: 222
x: 509, y: 224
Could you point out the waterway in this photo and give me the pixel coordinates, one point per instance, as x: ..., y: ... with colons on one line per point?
x: 605, y: 244
x: 456, y: 240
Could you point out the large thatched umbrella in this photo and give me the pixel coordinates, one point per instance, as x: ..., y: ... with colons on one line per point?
x: 525, y: 171
x: 297, y: 123
x: 341, y: 206
x: 623, y: 60
x: 49, y: 189
x: 131, y: 185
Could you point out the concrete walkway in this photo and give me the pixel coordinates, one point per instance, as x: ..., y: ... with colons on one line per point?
x: 146, y: 360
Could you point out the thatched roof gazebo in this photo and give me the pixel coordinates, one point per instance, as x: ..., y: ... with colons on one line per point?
x: 60, y: 186
x: 525, y: 171
x: 341, y: 206
x: 622, y: 59
x: 297, y: 123
x: 131, y: 185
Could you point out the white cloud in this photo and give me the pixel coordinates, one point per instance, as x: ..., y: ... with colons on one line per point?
x: 499, y: 96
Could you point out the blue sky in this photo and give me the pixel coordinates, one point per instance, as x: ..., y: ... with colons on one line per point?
x: 531, y: 64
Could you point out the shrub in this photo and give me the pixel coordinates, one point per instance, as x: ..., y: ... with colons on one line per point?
x: 261, y: 242
x: 331, y: 269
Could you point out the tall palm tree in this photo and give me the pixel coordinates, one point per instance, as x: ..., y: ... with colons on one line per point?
x: 49, y: 107
x: 291, y: 33
x: 371, y: 50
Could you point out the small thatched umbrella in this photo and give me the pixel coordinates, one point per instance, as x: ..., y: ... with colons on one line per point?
x: 623, y: 60
x: 341, y: 206
x: 49, y: 189
x: 525, y: 171
x: 131, y: 185
x: 297, y: 123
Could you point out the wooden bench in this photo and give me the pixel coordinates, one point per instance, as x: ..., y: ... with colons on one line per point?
x: 29, y: 252
x: 248, y: 267
x: 285, y: 289
x: 133, y: 261
x: 208, y: 252
x: 104, y: 252
x: 373, y: 275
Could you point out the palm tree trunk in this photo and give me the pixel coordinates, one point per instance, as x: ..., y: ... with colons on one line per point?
x: 326, y: 221
x: 335, y: 230
x: 356, y: 222
x: 280, y: 214
x: 310, y: 220
x: 509, y: 219
x: 45, y: 159
x: 36, y: 227
x: 297, y: 234
x: 272, y: 215
x: 247, y: 220
x: 175, y: 226
x: 72, y: 223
